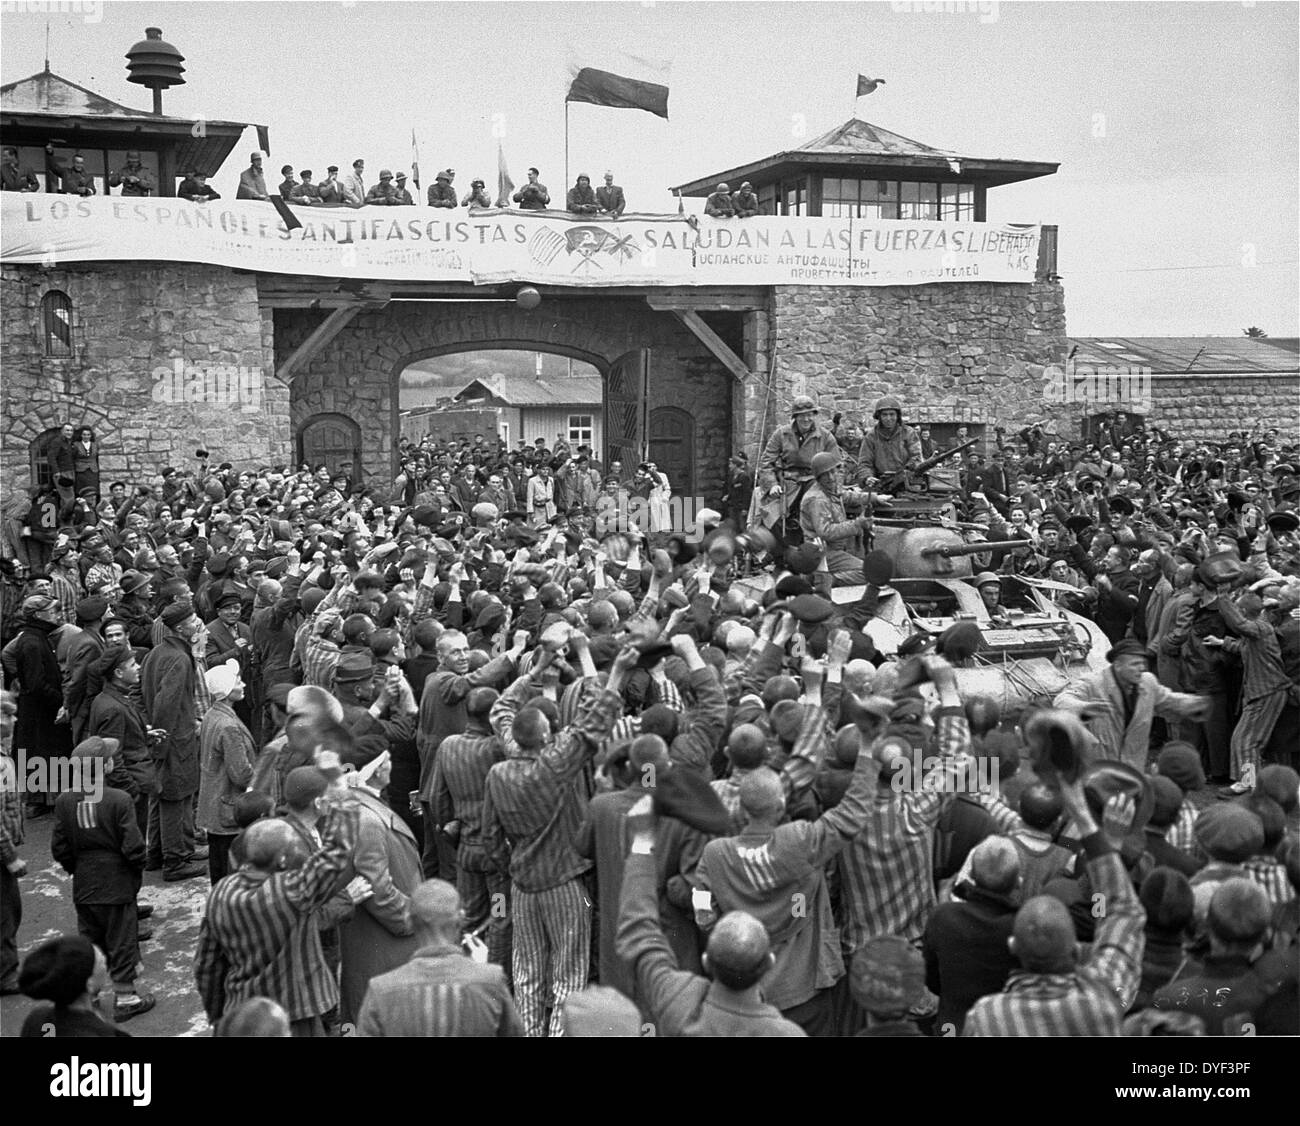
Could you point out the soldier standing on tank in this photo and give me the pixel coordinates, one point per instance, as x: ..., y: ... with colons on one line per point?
x: 824, y: 521
x: 889, y: 449
x: 785, y: 469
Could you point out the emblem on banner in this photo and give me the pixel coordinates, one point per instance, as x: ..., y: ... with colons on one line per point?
x: 586, y: 246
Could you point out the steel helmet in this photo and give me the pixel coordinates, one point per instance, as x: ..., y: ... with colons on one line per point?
x: 987, y: 578
x: 802, y: 404
x: 887, y: 403
x: 824, y: 462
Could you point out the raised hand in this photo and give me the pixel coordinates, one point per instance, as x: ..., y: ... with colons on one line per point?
x: 839, y: 647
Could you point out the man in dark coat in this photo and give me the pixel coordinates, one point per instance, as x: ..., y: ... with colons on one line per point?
x: 609, y: 198
x: 229, y: 639
x: 83, y: 651
x: 97, y: 841
x: 1119, y: 594
x: 115, y: 713
x: 965, y: 944
x: 62, y: 462
x: 604, y: 837
x: 168, y: 681
x: 31, y: 666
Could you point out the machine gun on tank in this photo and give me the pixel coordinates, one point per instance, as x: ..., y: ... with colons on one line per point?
x: 896, y: 481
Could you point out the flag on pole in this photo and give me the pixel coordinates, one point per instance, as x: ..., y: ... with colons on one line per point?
x: 623, y: 81
x: 415, y: 162
x: 868, y: 85
x: 505, y: 185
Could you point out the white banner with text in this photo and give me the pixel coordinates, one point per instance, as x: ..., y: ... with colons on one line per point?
x: 493, y: 246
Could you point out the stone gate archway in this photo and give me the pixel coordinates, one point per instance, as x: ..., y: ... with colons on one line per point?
x: 356, y: 374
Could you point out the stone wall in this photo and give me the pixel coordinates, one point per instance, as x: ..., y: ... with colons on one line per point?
x: 975, y: 352
x: 356, y: 373
x: 131, y: 324
x: 1211, y: 406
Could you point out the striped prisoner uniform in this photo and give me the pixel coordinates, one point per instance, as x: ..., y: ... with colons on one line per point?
x: 888, y: 871
x: 535, y: 803
x: 460, y: 773
x: 259, y: 936
x: 1091, y: 1000
x: 1265, y: 688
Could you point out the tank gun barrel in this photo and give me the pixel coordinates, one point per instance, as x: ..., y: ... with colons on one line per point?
x: 949, y: 550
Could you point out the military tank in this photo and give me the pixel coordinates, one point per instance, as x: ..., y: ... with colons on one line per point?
x: 928, y: 561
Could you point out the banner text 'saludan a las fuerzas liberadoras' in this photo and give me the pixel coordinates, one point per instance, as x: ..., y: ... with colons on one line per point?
x: 493, y: 246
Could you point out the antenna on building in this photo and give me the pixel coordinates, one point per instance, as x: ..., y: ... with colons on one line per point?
x: 156, y: 64
x: 47, y: 46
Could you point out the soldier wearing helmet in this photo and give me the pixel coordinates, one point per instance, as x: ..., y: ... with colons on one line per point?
x: 889, y: 449
x: 823, y: 520
x: 990, y: 587
x: 785, y: 469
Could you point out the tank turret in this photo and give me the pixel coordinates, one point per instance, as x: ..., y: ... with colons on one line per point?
x: 922, y: 551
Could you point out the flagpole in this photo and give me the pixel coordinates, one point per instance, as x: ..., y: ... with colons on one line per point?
x: 565, y: 186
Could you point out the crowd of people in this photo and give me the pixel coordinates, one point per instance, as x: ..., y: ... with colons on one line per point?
x: 457, y: 758
x: 351, y: 190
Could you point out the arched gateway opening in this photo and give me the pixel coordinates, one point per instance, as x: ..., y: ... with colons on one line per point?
x: 522, y: 397
x: 662, y: 390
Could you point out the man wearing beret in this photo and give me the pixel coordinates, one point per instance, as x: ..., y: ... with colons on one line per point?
x: 1118, y: 704
x: 168, y: 687
x: 97, y: 840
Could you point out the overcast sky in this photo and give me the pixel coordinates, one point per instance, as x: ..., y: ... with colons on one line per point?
x: 1175, y: 124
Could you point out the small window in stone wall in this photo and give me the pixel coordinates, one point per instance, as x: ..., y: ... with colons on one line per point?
x: 56, y: 317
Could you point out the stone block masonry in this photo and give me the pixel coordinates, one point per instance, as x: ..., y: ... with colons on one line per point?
x: 970, y: 350
x: 1210, y: 407
x: 131, y: 323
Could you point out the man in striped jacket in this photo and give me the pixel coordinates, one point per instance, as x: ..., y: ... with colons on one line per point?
x: 532, y: 812
x: 1265, y: 690
x: 259, y: 936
